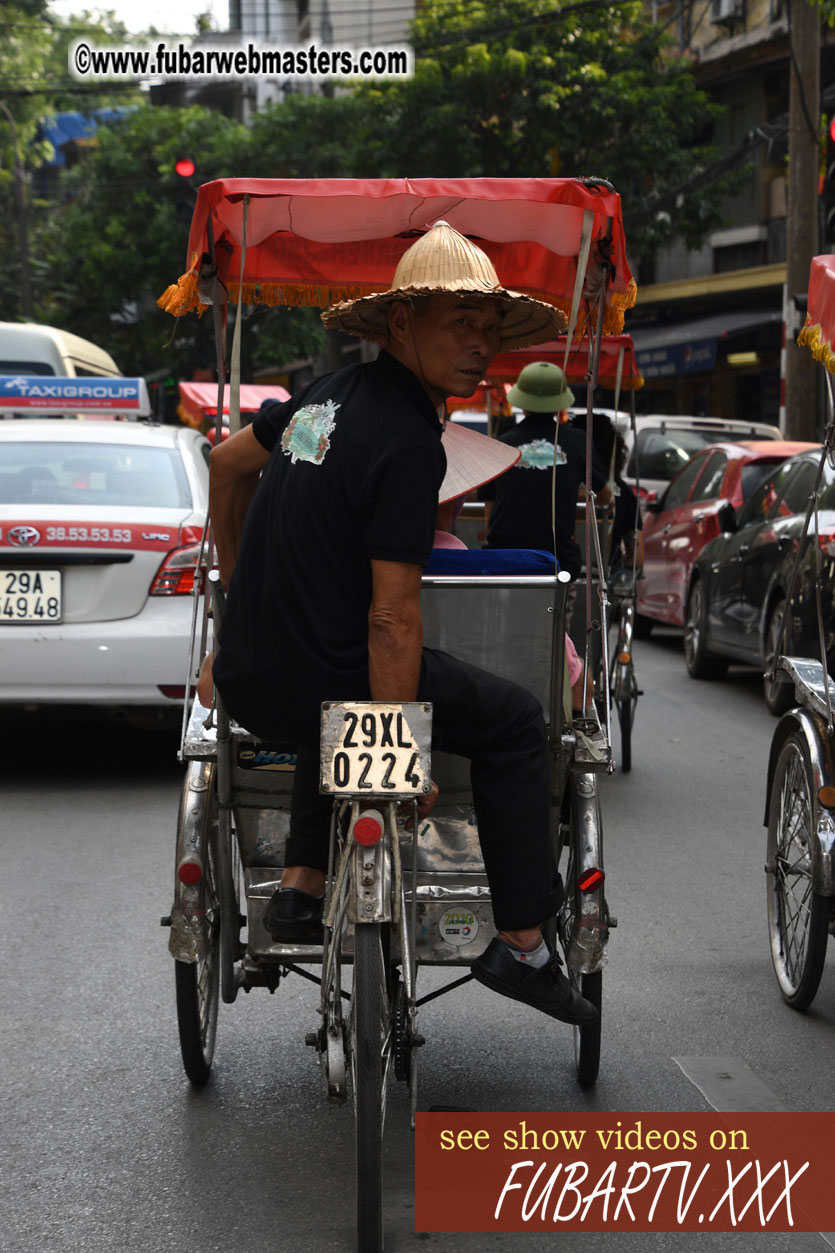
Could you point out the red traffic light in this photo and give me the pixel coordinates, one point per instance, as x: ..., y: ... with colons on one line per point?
x: 185, y: 168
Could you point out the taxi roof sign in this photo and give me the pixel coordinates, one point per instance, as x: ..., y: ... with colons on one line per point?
x: 104, y: 397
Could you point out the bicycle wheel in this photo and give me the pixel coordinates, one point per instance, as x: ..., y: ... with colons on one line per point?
x: 231, y: 894
x: 798, y: 918
x: 198, y: 983
x: 370, y: 1015
x: 625, y: 720
x: 587, y: 1039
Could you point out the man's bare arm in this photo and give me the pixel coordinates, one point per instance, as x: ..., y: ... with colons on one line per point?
x: 395, y: 641
x: 235, y: 467
x: 395, y: 631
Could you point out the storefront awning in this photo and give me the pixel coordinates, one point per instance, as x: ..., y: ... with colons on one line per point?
x: 670, y: 348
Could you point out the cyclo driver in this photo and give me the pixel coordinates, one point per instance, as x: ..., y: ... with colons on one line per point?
x: 323, y: 557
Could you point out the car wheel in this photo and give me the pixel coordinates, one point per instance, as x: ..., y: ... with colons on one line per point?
x: 642, y: 626
x: 699, y: 664
x: 779, y: 697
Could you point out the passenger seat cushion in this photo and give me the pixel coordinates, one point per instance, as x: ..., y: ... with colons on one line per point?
x: 490, y: 561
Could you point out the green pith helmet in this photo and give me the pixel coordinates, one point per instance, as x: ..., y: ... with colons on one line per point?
x: 540, y: 388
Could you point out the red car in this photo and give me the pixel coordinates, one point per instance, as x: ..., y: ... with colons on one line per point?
x: 689, y: 514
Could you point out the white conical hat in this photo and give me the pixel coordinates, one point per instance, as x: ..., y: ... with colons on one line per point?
x: 444, y: 262
x: 472, y: 459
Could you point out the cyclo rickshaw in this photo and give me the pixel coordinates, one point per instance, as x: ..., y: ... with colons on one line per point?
x: 399, y: 896
x: 617, y: 370
x: 800, y: 801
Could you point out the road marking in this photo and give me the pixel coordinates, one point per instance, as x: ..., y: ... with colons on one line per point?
x: 731, y: 1086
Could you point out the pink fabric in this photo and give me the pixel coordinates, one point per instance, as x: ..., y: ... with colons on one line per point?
x: 575, y: 665
x: 445, y: 539
x: 821, y: 307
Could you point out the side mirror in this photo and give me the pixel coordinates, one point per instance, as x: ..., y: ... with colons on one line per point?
x: 726, y: 517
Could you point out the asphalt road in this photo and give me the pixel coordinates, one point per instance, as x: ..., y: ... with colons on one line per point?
x: 106, y: 1147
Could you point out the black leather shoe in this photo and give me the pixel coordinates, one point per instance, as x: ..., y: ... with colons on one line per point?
x: 545, y: 988
x: 294, y: 917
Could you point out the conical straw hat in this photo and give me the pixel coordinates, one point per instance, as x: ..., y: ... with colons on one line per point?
x: 444, y: 262
x: 472, y: 459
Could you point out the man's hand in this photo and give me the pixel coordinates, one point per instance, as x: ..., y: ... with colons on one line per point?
x: 424, y: 806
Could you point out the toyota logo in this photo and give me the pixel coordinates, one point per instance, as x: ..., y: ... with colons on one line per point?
x: 24, y: 536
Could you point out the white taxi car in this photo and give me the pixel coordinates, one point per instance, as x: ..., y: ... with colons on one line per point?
x: 100, y: 531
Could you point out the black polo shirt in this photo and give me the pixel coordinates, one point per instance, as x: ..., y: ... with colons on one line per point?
x: 521, y: 513
x: 355, y: 467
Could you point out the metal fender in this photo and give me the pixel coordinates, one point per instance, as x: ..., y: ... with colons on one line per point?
x: 587, y: 947
x: 813, y: 730
x: 188, y: 925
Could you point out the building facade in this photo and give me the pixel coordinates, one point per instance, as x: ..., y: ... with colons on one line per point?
x: 708, y: 327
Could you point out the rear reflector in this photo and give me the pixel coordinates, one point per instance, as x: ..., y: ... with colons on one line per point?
x: 190, y: 871
x: 172, y: 691
x: 590, y: 879
x: 368, y: 828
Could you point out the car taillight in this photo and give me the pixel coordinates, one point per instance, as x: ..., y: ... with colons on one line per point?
x: 175, y: 576
x: 827, y: 544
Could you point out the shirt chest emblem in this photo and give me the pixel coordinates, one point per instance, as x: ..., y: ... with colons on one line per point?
x: 307, y: 435
x: 539, y: 455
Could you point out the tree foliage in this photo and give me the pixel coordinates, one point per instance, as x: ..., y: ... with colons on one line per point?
x: 36, y: 87
x: 501, y: 88
x: 120, y: 238
x: 529, y: 87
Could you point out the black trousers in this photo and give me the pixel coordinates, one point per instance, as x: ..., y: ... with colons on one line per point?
x: 499, y: 726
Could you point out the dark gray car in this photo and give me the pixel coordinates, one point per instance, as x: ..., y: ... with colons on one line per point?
x: 740, y: 584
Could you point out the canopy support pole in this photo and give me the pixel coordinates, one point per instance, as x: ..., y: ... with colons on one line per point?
x: 579, y: 280
x: 235, y: 373
x: 619, y: 377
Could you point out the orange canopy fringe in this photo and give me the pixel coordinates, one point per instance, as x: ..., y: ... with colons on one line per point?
x: 181, y: 298
x: 811, y: 337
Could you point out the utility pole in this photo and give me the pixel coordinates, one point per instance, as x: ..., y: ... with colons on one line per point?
x: 802, y: 211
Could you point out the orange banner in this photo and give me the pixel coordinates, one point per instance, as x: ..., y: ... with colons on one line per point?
x: 624, y: 1172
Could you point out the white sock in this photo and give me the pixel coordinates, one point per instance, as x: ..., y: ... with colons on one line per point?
x: 537, y: 957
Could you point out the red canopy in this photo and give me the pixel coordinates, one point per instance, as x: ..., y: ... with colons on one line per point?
x: 506, y: 366
x: 199, y: 400
x: 319, y: 241
x: 818, y: 333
